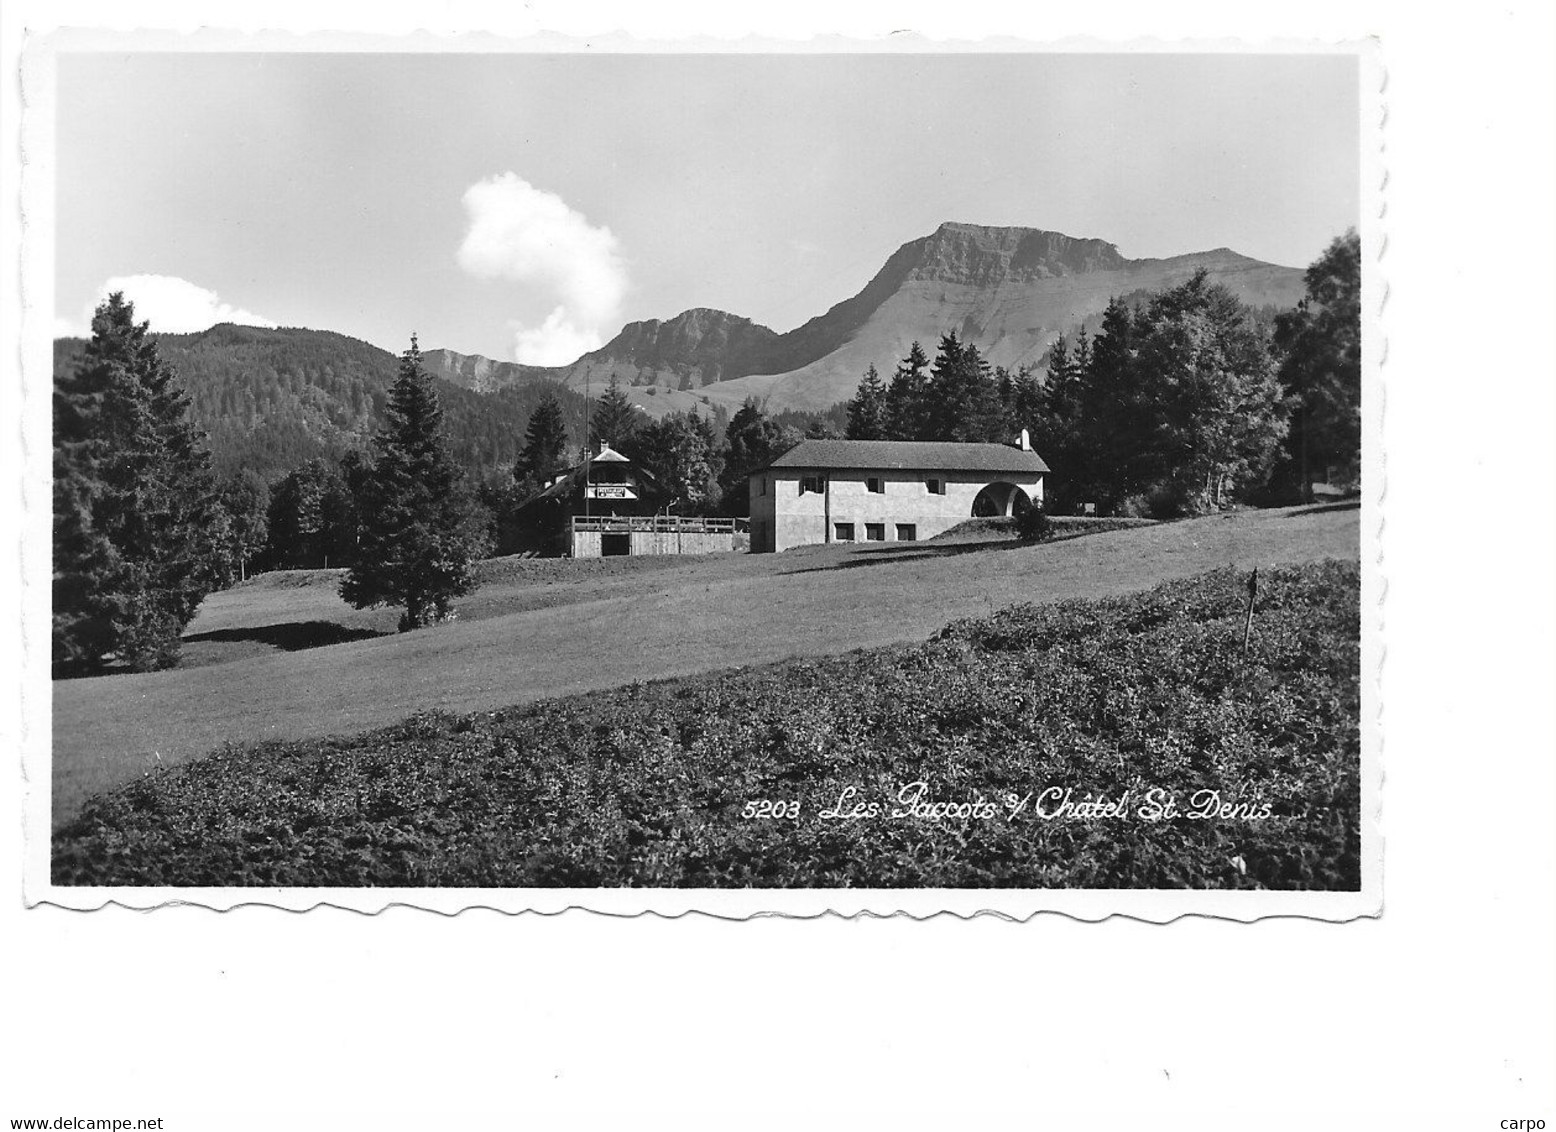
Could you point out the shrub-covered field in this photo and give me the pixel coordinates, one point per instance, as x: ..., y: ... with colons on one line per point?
x: 1039, y: 747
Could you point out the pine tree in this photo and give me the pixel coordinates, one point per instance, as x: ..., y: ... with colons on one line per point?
x: 963, y: 394
x: 545, y: 446
x: 136, y: 520
x: 420, y: 533
x: 1058, y: 370
x: 1026, y: 401
x: 1115, y: 417
x: 907, y: 398
x: 867, y: 411
x: 1080, y: 360
x: 615, y: 418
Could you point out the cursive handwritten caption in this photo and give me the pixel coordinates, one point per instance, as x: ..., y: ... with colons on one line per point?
x: 914, y: 802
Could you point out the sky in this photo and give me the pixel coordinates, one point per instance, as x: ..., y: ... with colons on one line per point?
x: 526, y: 206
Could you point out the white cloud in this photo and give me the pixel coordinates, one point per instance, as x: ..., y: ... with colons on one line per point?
x: 172, y: 305
x: 555, y: 342
x: 530, y: 236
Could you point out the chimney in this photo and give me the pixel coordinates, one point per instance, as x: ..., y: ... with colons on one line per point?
x: 1025, y: 443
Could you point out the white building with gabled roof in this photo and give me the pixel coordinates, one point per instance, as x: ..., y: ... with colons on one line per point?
x: 823, y: 491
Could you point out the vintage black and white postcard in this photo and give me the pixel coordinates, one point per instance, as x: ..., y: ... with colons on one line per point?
x: 541, y: 474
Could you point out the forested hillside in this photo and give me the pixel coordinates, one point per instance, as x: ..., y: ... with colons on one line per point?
x: 270, y: 400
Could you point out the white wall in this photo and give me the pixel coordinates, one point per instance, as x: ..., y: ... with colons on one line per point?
x: 810, y: 518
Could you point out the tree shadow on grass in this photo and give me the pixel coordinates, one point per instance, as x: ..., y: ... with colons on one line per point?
x: 920, y: 551
x: 1325, y: 508
x: 912, y: 552
x: 290, y: 636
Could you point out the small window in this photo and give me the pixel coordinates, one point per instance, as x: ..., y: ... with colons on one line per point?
x: 936, y: 485
x: 907, y: 532
x: 843, y: 532
x: 875, y: 532
x: 812, y: 483
x: 761, y: 486
x: 876, y: 485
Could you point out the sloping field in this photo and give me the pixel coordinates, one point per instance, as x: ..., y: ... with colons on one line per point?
x: 541, y: 632
x: 1188, y: 761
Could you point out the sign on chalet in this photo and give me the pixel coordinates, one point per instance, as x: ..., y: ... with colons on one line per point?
x: 887, y: 490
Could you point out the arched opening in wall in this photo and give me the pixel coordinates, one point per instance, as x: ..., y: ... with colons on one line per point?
x: 1000, y: 499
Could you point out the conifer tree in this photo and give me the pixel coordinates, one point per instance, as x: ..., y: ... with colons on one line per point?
x: 1080, y: 359
x: 867, y: 411
x: 907, y: 398
x: 962, y: 393
x: 545, y: 446
x: 420, y: 534
x: 1056, y: 388
x: 615, y: 418
x: 135, y: 511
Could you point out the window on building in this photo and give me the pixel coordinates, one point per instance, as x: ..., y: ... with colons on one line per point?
x: 761, y: 486
x: 816, y: 484
x: 936, y: 485
x: 843, y: 532
x: 876, y: 485
x: 875, y: 532
x: 907, y: 532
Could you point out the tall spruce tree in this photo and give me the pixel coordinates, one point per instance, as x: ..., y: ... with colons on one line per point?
x: 136, y: 517
x: 545, y: 446
x: 907, y: 398
x: 963, y: 394
x: 1080, y: 357
x: 615, y: 418
x: 867, y: 411
x: 420, y: 533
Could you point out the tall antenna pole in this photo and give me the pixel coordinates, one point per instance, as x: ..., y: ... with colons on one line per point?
x: 588, y: 431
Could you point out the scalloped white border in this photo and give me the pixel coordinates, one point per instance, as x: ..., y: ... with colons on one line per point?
x: 1153, y: 906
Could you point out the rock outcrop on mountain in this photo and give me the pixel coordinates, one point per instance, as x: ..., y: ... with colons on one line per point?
x: 709, y: 345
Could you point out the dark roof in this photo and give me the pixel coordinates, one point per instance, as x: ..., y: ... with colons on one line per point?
x: 909, y: 455
x: 567, y: 480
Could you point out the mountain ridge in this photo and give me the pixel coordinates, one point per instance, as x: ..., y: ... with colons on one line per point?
x: 271, y: 398
x: 1010, y: 290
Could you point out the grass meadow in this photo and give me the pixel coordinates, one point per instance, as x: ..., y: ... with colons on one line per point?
x: 283, y: 658
x: 765, y: 775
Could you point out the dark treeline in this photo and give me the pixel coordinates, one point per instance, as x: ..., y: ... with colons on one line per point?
x: 270, y: 401
x: 1179, y: 402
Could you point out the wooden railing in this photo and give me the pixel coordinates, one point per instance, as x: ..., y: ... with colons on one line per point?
x: 658, y: 524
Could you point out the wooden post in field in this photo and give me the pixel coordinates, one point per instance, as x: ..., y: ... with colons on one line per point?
x: 1253, y: 590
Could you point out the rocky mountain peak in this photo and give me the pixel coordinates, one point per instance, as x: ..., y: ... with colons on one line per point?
x: 982, y: 256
